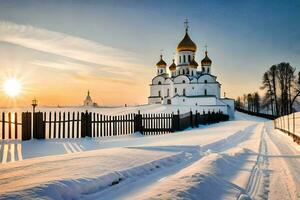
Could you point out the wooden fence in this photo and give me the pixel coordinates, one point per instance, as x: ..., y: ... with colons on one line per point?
x: 289, y: 124
x: 53, y: 125
x: 267, y: 116
x: 14, y: 126
x: 155, y: 124
x: 186, y: 120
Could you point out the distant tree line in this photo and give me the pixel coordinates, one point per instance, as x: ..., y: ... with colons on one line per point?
x: 250, y: 102
x: 281, y: 88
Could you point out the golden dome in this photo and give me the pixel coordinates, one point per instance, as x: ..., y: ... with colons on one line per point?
x: 186, y: 44
x: 193, y: 63
x: 161, y: 63
x: 206, y: 61
x: 172, y: 66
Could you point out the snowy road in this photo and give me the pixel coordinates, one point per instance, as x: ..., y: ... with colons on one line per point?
x: 241, y: 159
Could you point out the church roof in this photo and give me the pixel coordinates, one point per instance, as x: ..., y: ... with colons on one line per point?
x: 161, y: 63
x: 88, y: 97
x: 193, y: 63
x: 172, y: 67
x: 186, y: 44
x: 206, y: 60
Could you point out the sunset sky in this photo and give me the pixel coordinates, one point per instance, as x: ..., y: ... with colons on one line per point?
x: 59, y: 50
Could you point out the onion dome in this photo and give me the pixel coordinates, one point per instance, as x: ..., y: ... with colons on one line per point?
x: 161, y: 63
x: 88, y: 97
x: 193, y: 63
x: 186, y: 44
x: 206, y: 60
x: 172, y: 66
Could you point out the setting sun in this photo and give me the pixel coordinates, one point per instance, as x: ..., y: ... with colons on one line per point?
x: 12, y: 87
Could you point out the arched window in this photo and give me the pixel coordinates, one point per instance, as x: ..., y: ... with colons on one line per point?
x: 192, y: 73
x: 183, y: 81
x: 180, y: 59
x: 175, y: 90
x: 189, y: 58
x: 203, y: 69
x: 183, y: 71
x: 183, y: 92
x: 184, y: 58
x: 161, y: 71
x: 159, y: 93
x: 205, y: 81
x: 205, y: 92
x: 207, y: 70
x: 159, y: 83
x: 168, y: 92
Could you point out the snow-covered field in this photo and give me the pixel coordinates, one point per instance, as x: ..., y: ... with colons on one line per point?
x: 240, y: 159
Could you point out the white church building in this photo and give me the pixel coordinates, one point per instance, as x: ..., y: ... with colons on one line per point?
x: 185, y: 83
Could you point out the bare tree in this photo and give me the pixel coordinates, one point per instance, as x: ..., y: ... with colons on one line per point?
x: 296, y: 90
x: 286, y: 77
x: 269, y: 95
x: 256, y: 102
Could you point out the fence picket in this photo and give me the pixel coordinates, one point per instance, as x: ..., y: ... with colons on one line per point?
x: 59, y: 125
x: 49, y: 125
x: 73, y: 125
x: 54, y: 128
x: 68, y: 126
x: 64, y: 125
x: 16, y: 126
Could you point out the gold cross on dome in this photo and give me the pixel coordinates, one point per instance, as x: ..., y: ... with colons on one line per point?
x: 161, y: 52
x: 186, y: 24
x: 205, y: 47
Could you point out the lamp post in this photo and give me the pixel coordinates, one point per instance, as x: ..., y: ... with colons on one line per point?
x: 34, y: 104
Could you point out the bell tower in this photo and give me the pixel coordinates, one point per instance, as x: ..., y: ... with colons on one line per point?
x: 161, y: 66
x: 206, y: 63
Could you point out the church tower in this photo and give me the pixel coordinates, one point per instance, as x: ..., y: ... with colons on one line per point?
x: 206, y: 63
x: 186, y: 50
x: 161, y: 66
x: 172, y: 68
x: 88, y: 100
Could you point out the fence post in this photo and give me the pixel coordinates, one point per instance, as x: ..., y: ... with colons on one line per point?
x: 175, y: 122
x: 293, y: 123
x: 138, y: 123
x: 191, y: 119
x: 288, y: 121
x: 196, y: 118
x: 86, y: 124
x: 26, y: 126
x: 38, y: 126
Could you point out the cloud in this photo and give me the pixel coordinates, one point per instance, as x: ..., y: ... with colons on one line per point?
x: 84, y: 71
x: 78, y: 49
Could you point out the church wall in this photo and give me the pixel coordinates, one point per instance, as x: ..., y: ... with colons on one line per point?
x: 230, y: 103
x: 194, y: 101
x: 196, y: 89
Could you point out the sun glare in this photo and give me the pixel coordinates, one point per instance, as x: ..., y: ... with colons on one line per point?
x: 12, y: 87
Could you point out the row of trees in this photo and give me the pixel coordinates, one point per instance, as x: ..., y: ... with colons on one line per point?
x: 281, y: 88
x: 251, y: 102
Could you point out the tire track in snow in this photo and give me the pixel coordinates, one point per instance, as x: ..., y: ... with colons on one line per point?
x: 289, y: 168
x: 285, y: 170
x: 258, y: 183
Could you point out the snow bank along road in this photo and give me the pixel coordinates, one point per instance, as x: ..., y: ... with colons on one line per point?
x: 241, y: 159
